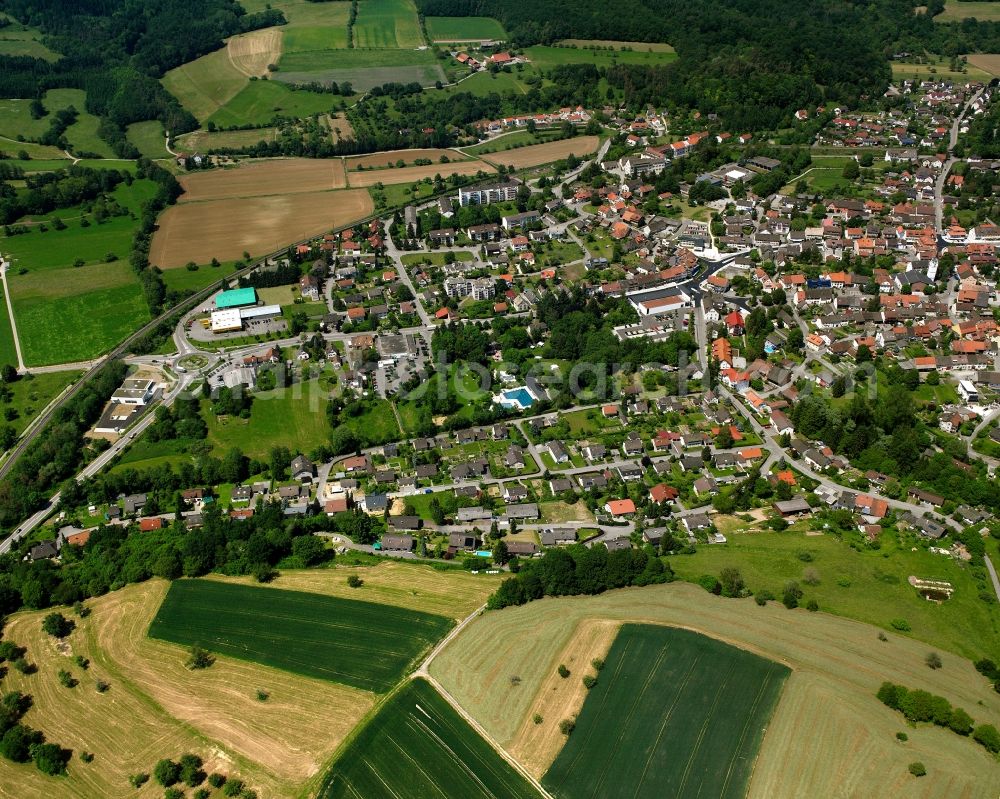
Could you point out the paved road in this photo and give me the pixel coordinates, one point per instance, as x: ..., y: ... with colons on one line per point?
x: 4, y: 266
x: 946, y: 167
x: 993, y: 575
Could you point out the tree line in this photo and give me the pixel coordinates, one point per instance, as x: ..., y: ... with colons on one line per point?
x: 578, y: 570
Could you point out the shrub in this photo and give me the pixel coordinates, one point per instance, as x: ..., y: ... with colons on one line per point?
x: 537, y: 718
x: 810, y: 576
x: 138, y: 780
x: 563, y: 671
x: 882, y: 636
x: 933, y: 660
x: 710, y: 583
x: 566, y: 726
x: 66, y: 679
x: 199, y: 658
x: 101, y: 686
x: 190, y: 771
x: 597, y: 663
x: 81, y: 610
x: 988, y: 669
x: 812, y: 605
x: 173, y: 793
x: 262, y: 695
x: 167, y: 772
x: 987, y: 736
x: 900, y: 624
x: 202, y: 793
x: 589, y: 681
x: 354, y: 581
x: 216, y: 780
x: 24, y: 666
x: 763, y: 596
x: 57, y: 625
x: 87, y: 757
x: 960, y: 721
x: 50, y: 759
x: 902, y: 736
x: 917, y: 769
x: 233, y: 787
x: 82, y: 662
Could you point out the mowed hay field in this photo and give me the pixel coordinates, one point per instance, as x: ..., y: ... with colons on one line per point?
x: 205, y: 85
x: 158, y: 708
x: 410, y: 174
x: 360, y: 644
x: 389, y: 159
x: 206, y: 141
x: 464, y: 29
x: 537, y: 154
x: 454, y: 593
x: 987, y: 62
x: 673, y: 713
x: 417, y: 746
x: 959, y: 10
x: 250, y: 53
x: 829, y: 735
x: 261, y: 178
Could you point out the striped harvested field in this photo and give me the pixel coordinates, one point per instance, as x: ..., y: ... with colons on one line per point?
x: 537, y: 154
x: 251, y: 52
x: 199, y: 231
x: 380, y: 160
x: 412, y: 174
x: 263, y: 178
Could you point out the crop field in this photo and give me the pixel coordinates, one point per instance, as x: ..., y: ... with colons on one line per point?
x: 363, y: 69
x: 464, y: 29
x: 359, y: 644
x: 482, y: 84
x: 410, y: 174
x: 538, y: 154
x: 264, y: 177
x: 206, y: 141
x: 673, y: 713
x: 251, y: 53
x: 454, y: 593
x: 387, y: 24
x: 849, y: 743
x: 224, y: 229
x: 148, y: 137
x: 389, y: 159
x: 544, y: 57
x: 641, y: 47
x: 156, y: 707
x: 321, y: 27
x: 417, y: 746
x: 510, y: 141
x: 958, y: 10
x: 260, y: 101
x: 987, y: 62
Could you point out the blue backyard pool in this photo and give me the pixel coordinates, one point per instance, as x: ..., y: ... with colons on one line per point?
x: 516, y: 398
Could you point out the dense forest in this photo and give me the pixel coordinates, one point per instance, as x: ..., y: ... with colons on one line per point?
x: 117, y: 49
x: 752, y: 62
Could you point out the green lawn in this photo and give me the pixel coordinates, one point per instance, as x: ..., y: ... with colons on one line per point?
x: 32, y: 393
x: 361, y: 644
x: 482, y: 84
x: 33, y: 166
x: 462, y: 29
x: 673, y: 713
x: 8, y: 353
x: 68, y: 328
x: 82, y: 134
x: 148, y: 137
x: 183, y: 280
x: 870, y: 586
x: 292, y: 417
x: 260, y: 101
x: 544, y: 57
x: 387, y: 24
x: 19, y: 40
x: 311, y: 39
x: 376, y: 425
x: 417, y: 746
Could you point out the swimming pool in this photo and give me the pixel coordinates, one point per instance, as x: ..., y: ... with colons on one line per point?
x: 518, y: 397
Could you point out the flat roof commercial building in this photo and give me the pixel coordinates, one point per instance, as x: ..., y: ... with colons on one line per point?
x: 235, y: 298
